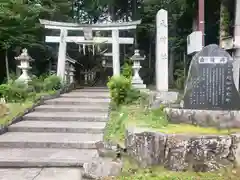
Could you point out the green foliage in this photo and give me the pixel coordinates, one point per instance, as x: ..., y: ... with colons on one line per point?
x: 180, y: 79
x: 132, y: 171
x: 36, y: 84
x: 14, y: 92
x: 52, y: 82
x: 132, y: 96
x: 119, y: 87
x: 133, y: 115
x: 224, y: 20
x: 127, y: 71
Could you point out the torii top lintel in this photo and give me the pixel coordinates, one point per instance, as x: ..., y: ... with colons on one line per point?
x: 95, y: 27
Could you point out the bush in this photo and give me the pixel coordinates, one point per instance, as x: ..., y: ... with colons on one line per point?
x: 132, y: 95
x: 119, y: 87
x: 36, y: 85
x: 52, y: 82
x: 14, y: 92
x: 127, y: 71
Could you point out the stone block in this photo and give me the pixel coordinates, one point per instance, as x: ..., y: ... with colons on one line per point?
x: 209, y: 153
x: 165, y: 97
x: 181, y: 152
x: 176, y: 151
x: 100, y: 168
x: 235, y: 149
x: 146, y: 147
x: 205, y: 118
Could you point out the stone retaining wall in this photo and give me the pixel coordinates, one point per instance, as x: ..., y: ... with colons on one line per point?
x: 204, y: 118
x: 183, y: 152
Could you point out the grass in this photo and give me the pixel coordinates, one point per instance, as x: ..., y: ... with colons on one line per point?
x: 153, y: 120
x: 16, y: 109
x: 131, y: 171
x: 138, y: 116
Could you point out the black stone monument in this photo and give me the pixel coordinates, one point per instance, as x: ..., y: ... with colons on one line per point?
x: 210, y: 84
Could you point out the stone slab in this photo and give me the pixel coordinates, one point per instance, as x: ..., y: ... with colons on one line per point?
x: 165, y: 97
x: 210, y: 83
x: 72, y: 108
x: 19, y: 174
x: 41, y: 174
x: 49, y: 140
x: 104, y: 89
x: 75, y: 94
x: 66, y: 116
x: 77, y: 101
x: 42, y: 157
x: 60, y: 174
x: 100, y: 168
x: 58, y: 126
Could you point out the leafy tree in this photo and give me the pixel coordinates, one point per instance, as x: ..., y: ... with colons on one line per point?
x: 20, y: 25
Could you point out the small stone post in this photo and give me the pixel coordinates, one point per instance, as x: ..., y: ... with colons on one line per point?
x: 137, y: 81
x: 25, y: 60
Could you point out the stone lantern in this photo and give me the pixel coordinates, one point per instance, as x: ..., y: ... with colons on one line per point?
x: 66, y: 76
x: 137, y: 81
x: 71, y: 73
x: 25, y: 60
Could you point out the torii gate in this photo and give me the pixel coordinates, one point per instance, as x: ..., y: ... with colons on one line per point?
x: 115, y: 40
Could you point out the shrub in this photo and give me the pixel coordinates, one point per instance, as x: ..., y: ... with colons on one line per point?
x: 52, y: 82
x: 132, y: 95
x: 127, y: 71
x: 36, y: 84
x: 14, y: 92
x: 119, y: 87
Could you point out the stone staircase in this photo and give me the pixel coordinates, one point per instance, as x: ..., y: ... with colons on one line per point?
x: 61, y: 133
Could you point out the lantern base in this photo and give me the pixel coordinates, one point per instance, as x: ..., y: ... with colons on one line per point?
x: 139, y: 86
x: 23, y: 78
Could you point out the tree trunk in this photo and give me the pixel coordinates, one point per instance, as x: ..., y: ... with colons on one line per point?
x: 150, y: 61
x: 224, y: 23
x: 171, y: 68
x: 6, y: 64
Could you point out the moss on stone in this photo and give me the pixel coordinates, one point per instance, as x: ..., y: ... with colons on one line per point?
x: 132, y: 171
x: 155, y: 120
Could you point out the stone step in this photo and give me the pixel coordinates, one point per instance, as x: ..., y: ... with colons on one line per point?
x: 49, y: 140
x: 95, y: 95
x: 92, y: 90
x: 77, y: 101
x: 42, y: 173
x: 72, y: 108
x: 45, y: 157
x: 58, y: 127
x: 66, y: 116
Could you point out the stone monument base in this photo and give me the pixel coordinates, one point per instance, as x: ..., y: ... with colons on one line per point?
x: 206, y: 118
x: 165, y: 97
x: 139, y: 86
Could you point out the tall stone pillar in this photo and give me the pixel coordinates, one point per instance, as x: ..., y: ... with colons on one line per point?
x: 115, y: 52
x: 162, y: 51
x: 236, y: 64
x: 62, y: 54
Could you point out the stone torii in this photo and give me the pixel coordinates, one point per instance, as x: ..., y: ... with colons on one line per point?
x: 63, y: 39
